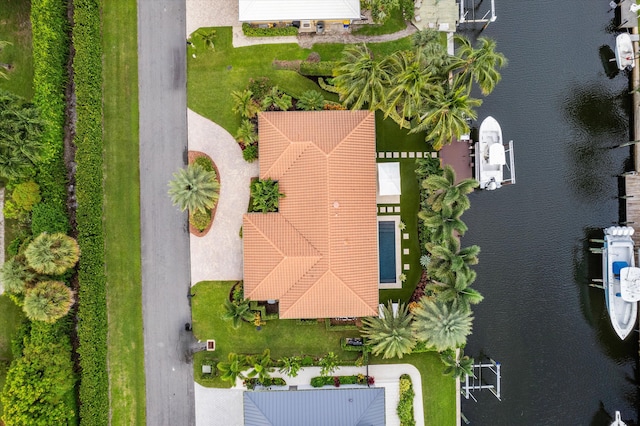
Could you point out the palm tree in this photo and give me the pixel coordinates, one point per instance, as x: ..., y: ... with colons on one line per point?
x: 443, y: 325
x: 208, y: 38
x: 455, y: 286
x: 447, y: 257
x: 16, y: 275
x: 244, y: 104
x: 410, y: 88
x: 431, y: 52
x: 271, y: 98
x: 52, y: 254
x: 444, y: 223
x: 194, y: 189
x: 446, y: 114
x: 261, y: 366
x: 328, y: 364
x: 237, y: 312
x: 457, y: 365
x: 444, y: 191
x: 246, y: 132
x: 311, y: 100
x: 290, y: 365
x: 283, y: 102
x: 480, y: 64
x: 360, y: 79
x: 389, y: 334
x: 232, y: 368
x: 47, y: 301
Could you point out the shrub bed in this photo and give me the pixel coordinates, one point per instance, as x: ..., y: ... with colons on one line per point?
x: 360, y: 379
x: 405, y: 405
x: 92, y: 318
x: 275, y: 381
x: 324, y: 68
x: 250, y: 31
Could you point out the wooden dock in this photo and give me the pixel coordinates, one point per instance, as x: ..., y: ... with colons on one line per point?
x: 632, y: 199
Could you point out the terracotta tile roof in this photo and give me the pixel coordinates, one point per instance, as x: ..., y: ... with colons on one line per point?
x: 318, y: 255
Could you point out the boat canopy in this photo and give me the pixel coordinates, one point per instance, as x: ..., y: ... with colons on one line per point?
x: 496, y: 154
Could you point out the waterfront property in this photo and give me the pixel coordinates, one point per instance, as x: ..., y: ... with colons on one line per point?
x: 318, y: 255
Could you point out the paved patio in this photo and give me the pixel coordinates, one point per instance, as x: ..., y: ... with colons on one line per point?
x: 218, y: 255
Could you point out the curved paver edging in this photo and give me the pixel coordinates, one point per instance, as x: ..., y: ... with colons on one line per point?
x: 218, y: 255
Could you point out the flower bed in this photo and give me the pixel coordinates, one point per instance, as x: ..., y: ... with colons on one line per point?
x: 360, y: 379
x: 251, y: 384
x: 405, y: 405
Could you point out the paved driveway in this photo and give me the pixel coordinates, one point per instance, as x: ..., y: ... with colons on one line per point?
x: 218, y: 255
x: 164, y: 231
x: 218, y: 407
x: 211, y: 13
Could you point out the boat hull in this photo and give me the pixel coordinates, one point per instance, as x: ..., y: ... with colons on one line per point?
x: 618, y: 252
x: 489, y: 174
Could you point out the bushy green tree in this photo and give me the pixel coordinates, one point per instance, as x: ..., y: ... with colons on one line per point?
x: 237, y: 312
x: 233, y: 368
x: 261, y: 366
x: 52, y: 254
x: 194, y: 188
x: 47, y: 301
x: 290, y: 365
x: 266, y: 195
x: 311, y: 100
x: 389, y: 334
x: 443, y: 325
x: 328, y: 364
x: 244, y: 104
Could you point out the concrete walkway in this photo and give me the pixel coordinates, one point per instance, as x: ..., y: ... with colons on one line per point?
x: 218, y: 255
x: 210, y: 401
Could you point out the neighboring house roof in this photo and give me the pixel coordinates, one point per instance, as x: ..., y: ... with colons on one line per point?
x: 322, y: 407
x: 290, y: 10
x: 318, y: 255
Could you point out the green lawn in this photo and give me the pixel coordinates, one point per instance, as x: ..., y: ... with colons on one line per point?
x: 15, y: 27
x: 394, y: 24
x: 282, y: 337
x: 10, y: 317
x: 214, y: 73
x: 122, y: 213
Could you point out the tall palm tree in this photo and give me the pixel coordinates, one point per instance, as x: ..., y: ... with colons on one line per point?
x: 411, y: 86
x: 246, y: 132
x: 237, y: 312
x: 233, y: 368
x: 47, y: 301
x: 480, y: 65
x: 244, y: 104
x: 444, y: 191
x: 457, y: 365
x: 431, y: 52
x: 52, y: 254
x: 311, y: 100
x: 261, y: 365
x: 446, y: 113
x: 444, y: 223
x: 360, y: 79
x: 290, y: 365
x: 443, y: 325
x: 194, y: 189
x: 389, y: 334
x: 447, y: 257
x: 455, y: 287
x: 208, y: 38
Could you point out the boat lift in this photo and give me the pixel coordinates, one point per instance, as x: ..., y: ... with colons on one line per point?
x: 489, y: 16
x: 475, y: 382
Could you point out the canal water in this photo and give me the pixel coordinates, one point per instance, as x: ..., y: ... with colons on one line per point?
x: 561, y: 361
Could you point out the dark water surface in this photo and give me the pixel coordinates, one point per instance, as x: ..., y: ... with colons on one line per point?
x: 561, y: 361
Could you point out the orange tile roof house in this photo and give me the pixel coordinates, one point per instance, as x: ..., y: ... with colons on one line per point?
x: 318, y: 255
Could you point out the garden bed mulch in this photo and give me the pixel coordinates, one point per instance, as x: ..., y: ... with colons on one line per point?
x: 192, y: 229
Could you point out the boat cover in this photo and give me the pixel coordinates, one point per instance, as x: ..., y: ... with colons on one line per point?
x: 497, y: 155
x: 630, y: 284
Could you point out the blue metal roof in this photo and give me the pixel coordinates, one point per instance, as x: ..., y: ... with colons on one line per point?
x: 321, y: 407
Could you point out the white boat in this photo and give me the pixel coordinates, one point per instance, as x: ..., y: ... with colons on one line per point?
x: 618, y: 421
x: 625, y: 56
x: 618, y: 275
x: 491, y: 168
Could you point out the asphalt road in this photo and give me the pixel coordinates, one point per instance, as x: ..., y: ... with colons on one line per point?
x: 165, y: 236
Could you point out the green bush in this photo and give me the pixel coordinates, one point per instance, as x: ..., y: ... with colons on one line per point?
x: 320, y: 381
x: 92, y: 316
x: 200, y: 220
x: 323, y: 68
x: 250, y: 31
x: 49, y: 217
x: 307, y: 361
x: 405, y: 404
x: 26, y: 195
x: 205, y: 163
x: 259, y: 88
x: 250, y: 153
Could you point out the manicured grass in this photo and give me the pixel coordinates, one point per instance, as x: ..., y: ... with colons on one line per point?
x: 282, y: 337
x: 15, y: 27
x: 394, y: 24
x: 438, y: 391
x: 122, y: 213
x: 10, y: 318
x: 214, y: 74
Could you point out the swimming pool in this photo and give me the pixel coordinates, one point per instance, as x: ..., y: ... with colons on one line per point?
x: 387, y: 251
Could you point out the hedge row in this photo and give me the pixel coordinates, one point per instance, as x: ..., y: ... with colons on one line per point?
x: 92, y: 317
x: 50, y: 29
x: 405, y: 404
x: 250, y: 31
x: 322, y: 68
